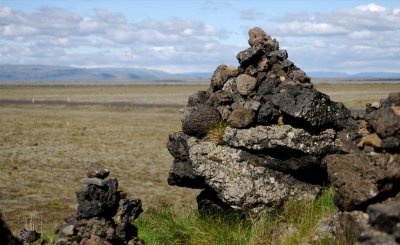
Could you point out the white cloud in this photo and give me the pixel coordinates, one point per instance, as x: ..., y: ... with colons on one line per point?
x: 108, y: 39
x: 354, y: 40
x: 371, y: 8
x: 362, y: 38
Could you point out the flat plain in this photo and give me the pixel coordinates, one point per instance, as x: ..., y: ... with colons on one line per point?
x: 45, y: 148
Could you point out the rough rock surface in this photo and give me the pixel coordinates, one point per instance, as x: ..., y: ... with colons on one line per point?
x: 279, y: 128
x: 104, y: 215
x: 361, y: 179
x: 245, y: 84
x: 342, y: 226
x: 239, y: 181
x: 284, y: 137
x: 384, y: 223
x: 198, y: 122
x: 6, y: 237
x: 367, y: 177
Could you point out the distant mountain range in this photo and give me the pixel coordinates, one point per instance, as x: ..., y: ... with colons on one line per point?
x: 56, y: 74
x: 364, y: 75
x: 67, y: 73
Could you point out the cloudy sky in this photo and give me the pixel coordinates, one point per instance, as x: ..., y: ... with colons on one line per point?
x: 197, y: 35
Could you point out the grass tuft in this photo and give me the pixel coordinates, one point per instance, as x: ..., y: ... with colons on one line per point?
x: 216, y: 133
x: 163, y: 224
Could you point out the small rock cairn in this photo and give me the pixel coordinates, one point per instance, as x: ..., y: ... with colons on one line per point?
x: 104, y: 214
x: 275, y: 131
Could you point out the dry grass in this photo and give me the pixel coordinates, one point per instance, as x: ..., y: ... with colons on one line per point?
x: 45, y: 149
x: 355, y: 96
x: 162, y: 94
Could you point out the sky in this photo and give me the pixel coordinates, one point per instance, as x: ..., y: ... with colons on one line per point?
x: 198, y: 35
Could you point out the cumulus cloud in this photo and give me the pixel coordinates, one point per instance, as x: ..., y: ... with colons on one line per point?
x: 58, y: 36
x: 362, y: 38
x: 358, y: 39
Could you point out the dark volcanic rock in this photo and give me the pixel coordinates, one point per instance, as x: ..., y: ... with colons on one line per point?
x: 344, y: 226
x: 29, y: 236
x: 258, y: 37
x: 6, y: 237
x: 310, y: 107
x: 281, y: 137
x: 374, y: 237
x: 128, y: 211
x: 104, y: 215
x: 181, y: 173
x: 368, y: 179
x: 198, y: 98
x: 199, y: 121
x: 361, y: 179
x: 221, y: 75
x: 386, y: 122
x: 267, y: 114
x: 245, y: 84
x: 101, y: 227
x: 392, y: 100
x: 385, y: 216
x: 241, y: 117
x: 98, y: 201
x: 384, y: 223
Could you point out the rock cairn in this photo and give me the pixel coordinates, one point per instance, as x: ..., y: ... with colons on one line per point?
x: 278, y: 129
x: 104, y: 214
x: 367, y: 178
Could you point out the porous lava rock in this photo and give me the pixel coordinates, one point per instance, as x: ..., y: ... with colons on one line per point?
x: 384, y: 223
x: 366, y: 178
x: 371, y: 173
x: 274, y: 130
x: 104, y: 214
x: 200, y: 120
x: 361, y: 179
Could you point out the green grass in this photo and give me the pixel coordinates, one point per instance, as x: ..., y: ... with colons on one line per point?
x: 163, y: 224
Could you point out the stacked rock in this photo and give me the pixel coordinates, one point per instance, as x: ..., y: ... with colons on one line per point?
x: 278, y: 129
x: 104, y: 214
x: 367, y: 179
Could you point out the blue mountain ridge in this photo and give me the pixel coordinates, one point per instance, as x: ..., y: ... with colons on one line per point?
x: 65, y: 73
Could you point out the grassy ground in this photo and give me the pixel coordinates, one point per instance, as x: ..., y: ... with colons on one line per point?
x: 45, y: 149
x: 296, y: 225
x: 355, y: 96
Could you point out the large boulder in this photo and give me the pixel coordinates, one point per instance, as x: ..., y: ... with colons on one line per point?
x: 361, y: 179
x: 239, y: 180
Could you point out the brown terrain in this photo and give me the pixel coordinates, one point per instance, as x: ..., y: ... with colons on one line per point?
x: 49, y: 135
